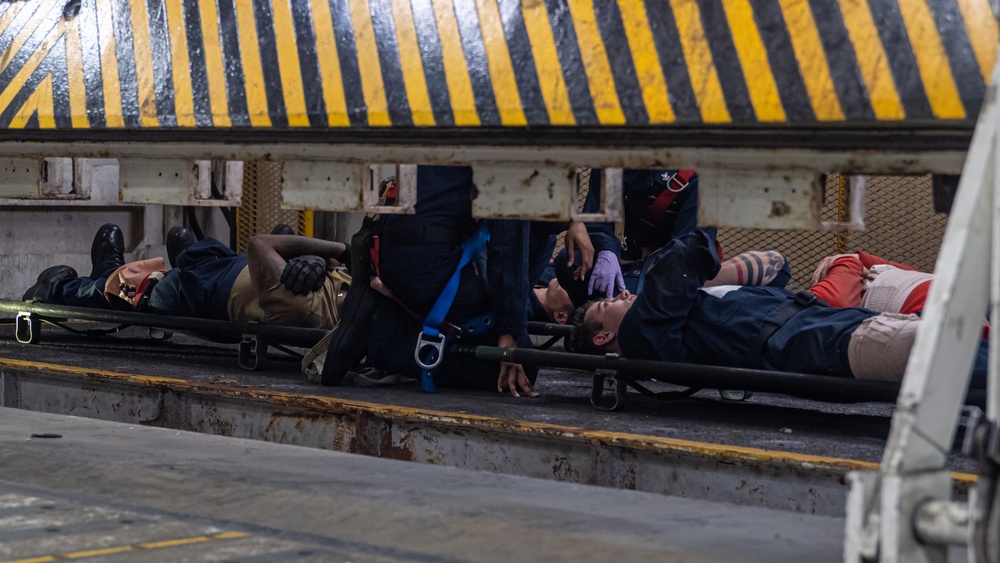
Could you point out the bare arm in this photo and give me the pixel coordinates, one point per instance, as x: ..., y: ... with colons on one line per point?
x: 268, y: 254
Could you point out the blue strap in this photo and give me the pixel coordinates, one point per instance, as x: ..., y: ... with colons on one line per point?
x: 430, y: 343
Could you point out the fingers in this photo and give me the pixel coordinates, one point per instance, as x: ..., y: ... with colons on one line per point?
x: 619, y: 283
x: 512, y: 378
x: 570, y: 250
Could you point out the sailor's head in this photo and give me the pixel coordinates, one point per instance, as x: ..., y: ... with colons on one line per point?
x: 128, y: 282
x: 596, y: 324
x: 558, y: 303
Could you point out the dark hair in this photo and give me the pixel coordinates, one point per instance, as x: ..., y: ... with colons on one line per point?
x: 582, y: 339
x: 576, y: 289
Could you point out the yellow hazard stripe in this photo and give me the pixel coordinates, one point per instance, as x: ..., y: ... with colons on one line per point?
x: 701, y: 67
x: 180, y: 64
x: 74, y: 70
x: 550, y: 73
x: 40, y: 101
x: 647, y: 61
x: 872, y: 60
x: 288, y: 64
x: 753, y: 58
x: 932, y: 60
x: 368, y: 62
x: 412, y: 65
x: 812, y: 59
x: 133, y: 547
x: 113, y: 114
x: 215, y: 68
x: 498, y: 58
x: 144, y: 63
x: 25, y: 32
x: 595, y: 63
x: 981, y: 26
x: 329, y: 65
x: 253, y: 73
x: 463, y: 101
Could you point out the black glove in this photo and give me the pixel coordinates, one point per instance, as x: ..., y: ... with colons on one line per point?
x: 304, y: 274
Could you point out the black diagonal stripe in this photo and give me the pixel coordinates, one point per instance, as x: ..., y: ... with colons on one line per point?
x: 271, y: 65
x: 747, y: 266
x: 433, y: 60
x: 305, y: 38
x: 91, y: 56
x: 523, y: 61
x: 343, y: 32
x: 609, y: 22
x: 667, y: 39
x: 760, y: 268
x: 4, y: 6
x: 163, y: 66
x: 32, y: 122
x: 574, y: 73
x: 388, y: 57
x: 15, y: 26
x: 784, y: 64
x: 54, y: 63
x: 961, y: 57
x: 197, y: 66
x: 125, y: 54
x: 475, y: 60
x: 727, y: 61
x: 902, y: 61
x: 34, y: 41
x: 236, y: 93
x: 840, y: 56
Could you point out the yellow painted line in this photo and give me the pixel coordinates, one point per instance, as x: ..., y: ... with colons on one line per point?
x: 872, y: 60
x: 26, y: 31
x: 981, y: 27
x: 753, y: 58
x: 109, y: 67
x: 133, y: 547
x: 288, y: 64
x: 595, y: 63
x: 550, y: 73
x: 700, y: 65
x: 647, y: 61
x: 502, y: 77
x: 214, y: 66
x: 40, y: 101
x: 812, y: 61
x: 253, y: 73
x: 935, y: 70
x: 456, y: 72
x: 412, y: 65
x: 329, y: 65
x: 308, y: 224
x: 74, y: 71
x: 15, y: 85
x: 183, y: 94
x: 368, y: 63
x: 336, y: 406
x: 144, y: 63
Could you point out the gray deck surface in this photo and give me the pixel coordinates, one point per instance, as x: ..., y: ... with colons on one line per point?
x: 103, y: 485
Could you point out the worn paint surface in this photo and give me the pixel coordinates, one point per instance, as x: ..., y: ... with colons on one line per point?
x: 789, y: 481
x: 320, y: 64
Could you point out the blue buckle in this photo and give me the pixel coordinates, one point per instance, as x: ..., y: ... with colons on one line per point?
x: 423, y: 341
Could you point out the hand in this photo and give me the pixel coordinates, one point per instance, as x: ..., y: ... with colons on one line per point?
x: 304, y: 274
x: 607, y: 277
x: 825, y: 264
x: 512, y: 375
x: 577, y: 238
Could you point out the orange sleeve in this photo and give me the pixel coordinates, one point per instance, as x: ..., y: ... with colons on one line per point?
x: 869, y: 260
x: 843, y: 285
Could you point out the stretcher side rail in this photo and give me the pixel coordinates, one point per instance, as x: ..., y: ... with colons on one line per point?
x: 620, y: 373
x: 254, y: 337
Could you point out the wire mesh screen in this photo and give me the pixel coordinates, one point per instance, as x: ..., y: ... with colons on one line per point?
x: 261, y: 209
x: 900, y: 224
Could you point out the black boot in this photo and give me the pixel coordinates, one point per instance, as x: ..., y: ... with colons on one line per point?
x: 349, y: 340
x: 282, y: 229
x: 48, y: 284
x: 107, y: 253
x: 178, y: 238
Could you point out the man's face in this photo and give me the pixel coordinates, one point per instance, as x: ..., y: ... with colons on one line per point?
x: 609, y: 314
x: 557, y: 300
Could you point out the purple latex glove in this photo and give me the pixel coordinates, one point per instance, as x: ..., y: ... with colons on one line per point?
x: 606, y: 277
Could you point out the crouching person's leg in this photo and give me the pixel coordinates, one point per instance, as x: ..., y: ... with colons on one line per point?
x: 880, y: 346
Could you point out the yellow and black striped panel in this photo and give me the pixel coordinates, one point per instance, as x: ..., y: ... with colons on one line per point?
x: 320, y: 64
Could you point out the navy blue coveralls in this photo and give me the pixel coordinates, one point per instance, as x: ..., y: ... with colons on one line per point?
x: 417, y: 255
x: 672, y: 320
x: 198, y: 286
x: 639, y: 190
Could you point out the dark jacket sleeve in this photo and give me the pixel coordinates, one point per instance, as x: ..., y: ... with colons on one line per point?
x: 507, y: 272
x: 602, y: 235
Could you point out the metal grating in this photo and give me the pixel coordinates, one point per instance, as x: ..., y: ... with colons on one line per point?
x: 261, y: 209
x: 900, y: 224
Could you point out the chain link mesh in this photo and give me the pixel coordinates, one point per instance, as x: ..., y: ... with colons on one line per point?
x: 261, y: 210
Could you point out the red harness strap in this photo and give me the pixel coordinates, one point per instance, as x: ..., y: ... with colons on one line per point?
x: 681, y: 179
